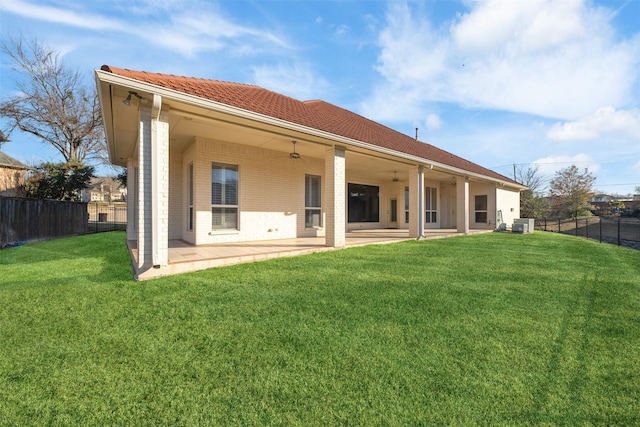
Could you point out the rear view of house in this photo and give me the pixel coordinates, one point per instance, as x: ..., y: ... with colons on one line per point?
x: 213, y: 162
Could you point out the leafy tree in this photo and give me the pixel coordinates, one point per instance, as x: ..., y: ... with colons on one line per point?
x: 52, y: 103
x: 532, y: 202
x: 122, y: 177
x: 571, y: 190
x: 616, y: 206
x: 59, y: 181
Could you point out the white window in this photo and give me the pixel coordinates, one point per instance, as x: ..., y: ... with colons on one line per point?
x: 431, y: 204
x: 312, y: 201
x: 224, y: 197
x: 481, y: 209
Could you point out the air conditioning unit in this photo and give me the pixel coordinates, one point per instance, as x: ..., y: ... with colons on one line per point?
x: 523, y: 225
x: 519, y: 228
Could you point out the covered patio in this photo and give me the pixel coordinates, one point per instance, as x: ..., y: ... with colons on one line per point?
x: 185, y: 257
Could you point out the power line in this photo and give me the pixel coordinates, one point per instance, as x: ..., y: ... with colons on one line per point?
x: 613, y: 185
x: 554, y: 163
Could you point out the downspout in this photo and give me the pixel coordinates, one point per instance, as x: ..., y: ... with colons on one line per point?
x: 155, y: 199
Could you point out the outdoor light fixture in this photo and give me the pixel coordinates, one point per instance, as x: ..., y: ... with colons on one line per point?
x: 128, y: 100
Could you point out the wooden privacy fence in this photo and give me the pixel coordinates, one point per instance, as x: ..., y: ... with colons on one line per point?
x: 27, y: 220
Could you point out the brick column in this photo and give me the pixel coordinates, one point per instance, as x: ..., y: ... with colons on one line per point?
x: 153, y: 188
x: 335, y: 197
x: 462, y: 199
x: 160, y: 183
x: 416, y: 202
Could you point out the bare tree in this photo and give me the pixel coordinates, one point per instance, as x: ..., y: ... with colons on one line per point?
x: 532, y: 202
x: 52, y: 103
x: 571, y: 190
x: 3, y: 139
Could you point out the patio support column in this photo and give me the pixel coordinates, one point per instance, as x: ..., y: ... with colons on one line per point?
x: 335, y: 197
x: 462, y: 210
x: 416, y: 202
x: 132, y: 200
x: 153, y: 187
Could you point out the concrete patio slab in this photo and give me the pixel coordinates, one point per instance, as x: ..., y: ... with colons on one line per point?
x: 184, y: 257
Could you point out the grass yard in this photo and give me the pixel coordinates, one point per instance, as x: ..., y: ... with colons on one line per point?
x: 493, y: 329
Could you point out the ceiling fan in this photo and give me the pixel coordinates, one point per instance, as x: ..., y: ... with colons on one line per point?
x: 294, y: 155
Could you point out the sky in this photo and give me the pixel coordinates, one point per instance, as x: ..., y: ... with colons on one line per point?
x: 499, y: 82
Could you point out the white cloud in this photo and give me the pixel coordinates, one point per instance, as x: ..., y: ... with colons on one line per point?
x: 296, y: 80
x: 636, y: 167
x: 62, y: 16
x: 433, y: 122
x: 605, y: 121
x: 548, y: 166
x: 552, y: 59
x: 184, y: 28
x: 342, y: 30
x: 534, y: 25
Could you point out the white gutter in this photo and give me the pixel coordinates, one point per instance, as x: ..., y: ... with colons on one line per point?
x: 116, y: 79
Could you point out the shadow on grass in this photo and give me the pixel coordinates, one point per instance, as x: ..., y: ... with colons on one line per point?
x: 93, y: 258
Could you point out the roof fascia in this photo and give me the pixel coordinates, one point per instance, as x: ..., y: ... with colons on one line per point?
x: 107, y: 116
x: 137, y: 85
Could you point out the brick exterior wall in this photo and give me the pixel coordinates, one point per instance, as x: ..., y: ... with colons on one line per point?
x: 482, y: 189
x: 177, y: 204
x: 11, y: 182
x: 271, y: 192
x: 506, y: 200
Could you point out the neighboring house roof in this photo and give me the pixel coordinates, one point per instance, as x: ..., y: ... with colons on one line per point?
x: 315, y: 114
x: 7, y: 161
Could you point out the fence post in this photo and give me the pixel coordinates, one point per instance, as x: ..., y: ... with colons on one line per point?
x: 600, y: 221
x: 618, y: 231
x: 586, y: 230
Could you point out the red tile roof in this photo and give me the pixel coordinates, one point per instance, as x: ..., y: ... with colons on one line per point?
x: 315, y: 114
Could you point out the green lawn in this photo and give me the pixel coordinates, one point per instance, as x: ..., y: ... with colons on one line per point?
x: 494, y: 329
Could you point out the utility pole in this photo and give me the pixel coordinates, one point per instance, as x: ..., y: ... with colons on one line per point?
x: 514, y: 172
